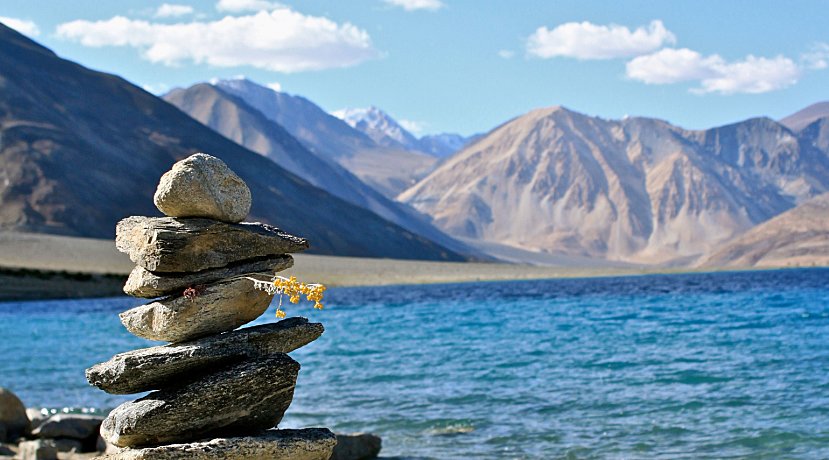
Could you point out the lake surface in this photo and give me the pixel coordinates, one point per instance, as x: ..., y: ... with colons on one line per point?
x: 726, y: 365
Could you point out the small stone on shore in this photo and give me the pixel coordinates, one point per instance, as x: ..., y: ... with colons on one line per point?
x: 146, y: 284
x: 37, y: 450
x: 357, y: 446
x: 202, y: 185
x: 75, y: 426
x: 243, y: 398
x: 156, y: 367
x: 169, y: 244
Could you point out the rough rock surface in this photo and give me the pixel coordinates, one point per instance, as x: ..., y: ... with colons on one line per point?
x: 305, y: 444
x: 12, y: 416
x: 243, y: 398
x: 169, y: 244
x: 357, y: 446
x: 75, y: 426
x: 144, y: 283
x: 202, y: 185
x: 214, y: 308
x: 153, y: 368
x: 37, y: 450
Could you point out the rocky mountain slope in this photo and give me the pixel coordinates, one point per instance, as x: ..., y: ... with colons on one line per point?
x: 637, y: 190
x: 445, y: 144
x: 388, y: 170
x: 235, y: 119
x: 805, y: 117
x: 798, y: 237
x: 81, y: 149
x: 379, y: 126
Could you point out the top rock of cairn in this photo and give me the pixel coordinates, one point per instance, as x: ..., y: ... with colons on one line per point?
x: 202, y: 185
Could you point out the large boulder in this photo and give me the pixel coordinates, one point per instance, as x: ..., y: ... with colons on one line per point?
x: 305, y: 444
x: 208, y: 310
x: 12, y: 416
x: 357, y: 446
x: 144, y: 283
x: 202, y: 185
x: 169, y: 244
x: 157, y: 367
x: 75, y: 426
x: 243, y: 398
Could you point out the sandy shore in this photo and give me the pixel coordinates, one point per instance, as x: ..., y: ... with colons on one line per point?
x: 48, y: 266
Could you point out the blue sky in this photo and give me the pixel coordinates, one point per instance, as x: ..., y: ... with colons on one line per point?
x: 463, y: 66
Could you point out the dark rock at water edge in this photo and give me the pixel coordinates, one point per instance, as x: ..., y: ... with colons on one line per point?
x: 75, y: 426
x: 211, y: 309
x: 5, y: 451
x: 169, y: 244
x: 13, y: 416
x: 305, y: 444
x: 357, y: 446
x: 242, y: 398
x: 144, y: 283
x: 156, y: 367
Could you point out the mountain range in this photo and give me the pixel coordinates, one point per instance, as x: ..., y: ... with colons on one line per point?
x: 636, y: 190
x: 82, y: 149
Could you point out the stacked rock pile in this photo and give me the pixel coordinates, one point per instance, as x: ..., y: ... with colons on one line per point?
x: 216, y: 392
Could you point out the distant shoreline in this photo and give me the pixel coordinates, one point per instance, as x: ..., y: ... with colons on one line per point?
x: 35, y: 266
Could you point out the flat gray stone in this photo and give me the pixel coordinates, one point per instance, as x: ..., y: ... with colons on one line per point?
x: 157, y: 367
x: 37, y: 450
x: 144, y: 283
x: 214, y: 308
x: 243, y: 398
x: 12, y: 416
x: 305, y: 444
x: 75, y: 426
x: 357, y: 446
x: 202, y: 185
x: 170, y: 244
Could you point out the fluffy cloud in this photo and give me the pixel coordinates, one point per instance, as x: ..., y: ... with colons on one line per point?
x: 506, y: 54
x: 413, y: 5
x: 817, y: 57
x: 170, y: 10
x: 23, y: 26
x: 414, y: 127
x: 238, y: 6
x: 715, y: 75
x: 280, y: 40
x: 584, y: 40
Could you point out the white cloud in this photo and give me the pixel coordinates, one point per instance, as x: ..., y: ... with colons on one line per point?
x: 751, y: 75
x: 414, y: 5
x: 171, y: 10
x: 506, y: 54
x: 23, y: 26
x: 584, y: 40
x: 238, y: 6
x: 274, y: 85
x: 414, y: 127
x: 817, y: 57
x: 281, y: 40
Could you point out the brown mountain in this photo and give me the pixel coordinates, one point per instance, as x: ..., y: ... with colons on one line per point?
x: 635, y: 190
x: 81, y: 149
x: 389, y: 170
x: 798, y: 237
x: 805, y: 117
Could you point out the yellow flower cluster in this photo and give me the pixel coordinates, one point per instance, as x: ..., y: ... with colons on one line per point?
x: 294, y: 289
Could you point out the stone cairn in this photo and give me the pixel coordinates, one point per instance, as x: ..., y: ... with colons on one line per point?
x: 216, y: 392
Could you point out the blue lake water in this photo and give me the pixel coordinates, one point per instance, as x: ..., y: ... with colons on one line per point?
x: 726, y: 365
